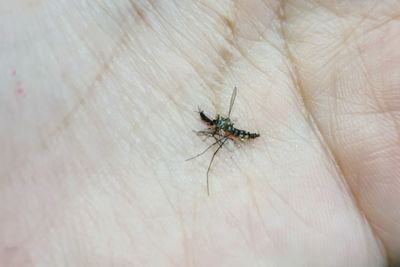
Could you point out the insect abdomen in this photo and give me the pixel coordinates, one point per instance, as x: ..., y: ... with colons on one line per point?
x: 253, y: 135
x: 243, y: 134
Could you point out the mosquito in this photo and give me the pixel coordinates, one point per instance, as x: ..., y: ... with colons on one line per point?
x: 221, y: 129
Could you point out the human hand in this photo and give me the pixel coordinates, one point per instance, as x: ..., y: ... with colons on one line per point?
x: 97, y: 113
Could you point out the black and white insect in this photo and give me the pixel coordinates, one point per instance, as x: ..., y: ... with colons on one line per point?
x: 221, y: 129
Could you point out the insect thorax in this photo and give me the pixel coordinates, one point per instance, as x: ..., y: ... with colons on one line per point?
x: 223, y: 124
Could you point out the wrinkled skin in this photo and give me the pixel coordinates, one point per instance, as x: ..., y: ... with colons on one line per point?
x: 97, y: 104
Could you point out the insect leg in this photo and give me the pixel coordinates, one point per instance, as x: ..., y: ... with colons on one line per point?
x: 206, y: 133
x: 210, y: 146
x: 212, y: 159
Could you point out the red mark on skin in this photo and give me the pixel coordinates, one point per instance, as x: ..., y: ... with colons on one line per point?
x: 19, y: 91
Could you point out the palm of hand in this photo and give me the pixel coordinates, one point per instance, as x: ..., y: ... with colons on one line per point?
x: 96, y: 137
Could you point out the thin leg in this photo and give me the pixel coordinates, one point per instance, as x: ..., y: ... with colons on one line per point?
x: 212, y: 159
x: 204, y: 132
x: 228, y: 137
x: 207, y: 134
x: 218, y: 140
x: 210, y: 146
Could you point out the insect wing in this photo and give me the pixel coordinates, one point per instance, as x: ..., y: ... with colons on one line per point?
x: 232, y: 101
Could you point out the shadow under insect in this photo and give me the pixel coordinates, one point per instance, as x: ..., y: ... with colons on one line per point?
x: 221, y: 129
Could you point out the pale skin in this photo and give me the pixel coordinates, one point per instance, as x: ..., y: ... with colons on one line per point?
x: 97, y: 112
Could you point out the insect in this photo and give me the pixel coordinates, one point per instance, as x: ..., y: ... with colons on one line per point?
x: 221, y: 129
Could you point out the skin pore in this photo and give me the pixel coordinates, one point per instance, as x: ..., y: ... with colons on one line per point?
x: 97, y: 101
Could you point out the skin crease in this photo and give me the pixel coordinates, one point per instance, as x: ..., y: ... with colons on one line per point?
x: 96, y: 108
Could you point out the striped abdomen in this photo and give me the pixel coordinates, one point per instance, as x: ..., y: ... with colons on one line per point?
x: 241, y: 133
